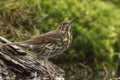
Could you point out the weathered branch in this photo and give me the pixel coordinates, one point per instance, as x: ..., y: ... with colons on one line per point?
x: 17, y: 64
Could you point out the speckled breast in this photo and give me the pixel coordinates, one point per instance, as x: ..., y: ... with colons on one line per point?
x: 51, y: 50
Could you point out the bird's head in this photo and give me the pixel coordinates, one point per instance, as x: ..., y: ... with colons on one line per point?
x: 65, y: 25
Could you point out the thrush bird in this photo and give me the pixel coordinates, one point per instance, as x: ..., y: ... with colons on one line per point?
x: 52, y: 43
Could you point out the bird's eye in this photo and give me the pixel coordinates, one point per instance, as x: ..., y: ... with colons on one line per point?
x: 64, y: 24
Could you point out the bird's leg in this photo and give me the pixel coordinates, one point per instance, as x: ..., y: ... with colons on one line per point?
x: 49, y: 67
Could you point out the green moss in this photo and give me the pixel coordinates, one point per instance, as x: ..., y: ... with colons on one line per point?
x: 96, y: 27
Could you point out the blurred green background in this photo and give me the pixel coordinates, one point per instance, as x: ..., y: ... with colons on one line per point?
x: 96, y: 30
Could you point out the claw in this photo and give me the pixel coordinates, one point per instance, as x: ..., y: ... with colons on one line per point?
x: 50, y: 68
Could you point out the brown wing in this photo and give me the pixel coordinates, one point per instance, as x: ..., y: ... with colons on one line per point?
x: 50, y: 37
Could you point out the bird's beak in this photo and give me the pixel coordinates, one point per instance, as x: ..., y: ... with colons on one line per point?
x: 71, y: 21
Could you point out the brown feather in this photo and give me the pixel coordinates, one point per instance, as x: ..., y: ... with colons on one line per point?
x: 50, y: 37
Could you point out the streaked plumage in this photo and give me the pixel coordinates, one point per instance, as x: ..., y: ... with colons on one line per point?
x: 51, y: 43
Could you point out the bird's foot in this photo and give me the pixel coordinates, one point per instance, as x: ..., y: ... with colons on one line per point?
x: 51, y: 71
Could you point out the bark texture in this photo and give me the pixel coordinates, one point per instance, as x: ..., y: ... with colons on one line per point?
x: 19, y: 64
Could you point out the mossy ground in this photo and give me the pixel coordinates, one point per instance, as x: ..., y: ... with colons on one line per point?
x: 96, y: 29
